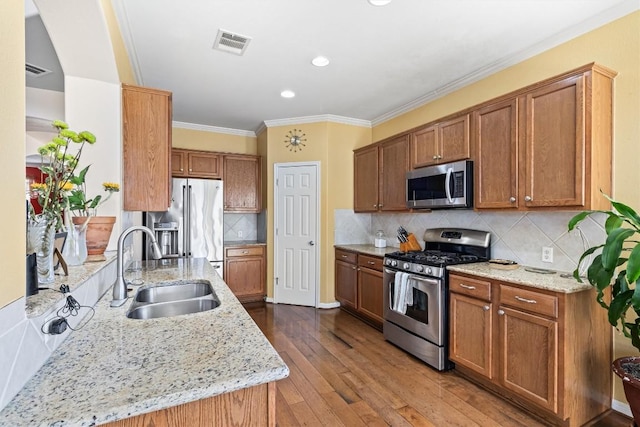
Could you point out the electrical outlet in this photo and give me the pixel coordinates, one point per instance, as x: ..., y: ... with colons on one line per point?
x: 547, y: 254
x: 240, y: 234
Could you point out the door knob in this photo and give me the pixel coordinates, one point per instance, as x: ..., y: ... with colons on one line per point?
x: 311, y: 243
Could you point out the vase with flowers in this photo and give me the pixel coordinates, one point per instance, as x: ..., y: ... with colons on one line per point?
x: 59, y: 161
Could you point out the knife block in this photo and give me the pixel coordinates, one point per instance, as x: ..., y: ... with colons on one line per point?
x: 411, y: 245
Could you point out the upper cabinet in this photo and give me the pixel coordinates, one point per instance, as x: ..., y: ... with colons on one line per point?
x: 443, y: 142
x: 242, y: 183
x: 196, y: 164
x: 146, y: 148
x: 548, y: 146
x: 380, y: 176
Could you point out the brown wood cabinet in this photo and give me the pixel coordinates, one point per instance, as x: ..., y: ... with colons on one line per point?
x: 146, y: 148
x: 548, y: 145
x: 254, y: 406
x: 533, y: 346
x: 380, y: 176
x: 441, y: 142
x: 196, y: 164
x: 245, y: 272
x: 242, y: 183
x: 358, y: 285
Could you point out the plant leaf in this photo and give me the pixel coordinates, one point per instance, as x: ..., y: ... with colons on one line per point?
x: 633, y: 265
x: 612, y: 222
x: 576, y: 219
x: 627, y: 212
x: 613, y: 247
x: 619, y: 306
x: 598, y: 276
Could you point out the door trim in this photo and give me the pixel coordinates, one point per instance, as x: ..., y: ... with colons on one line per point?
x: 276, y: 169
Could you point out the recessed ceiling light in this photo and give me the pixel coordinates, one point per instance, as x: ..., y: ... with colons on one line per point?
x: 379, y: 2
x: 320, y: 61
x: 287, y: 93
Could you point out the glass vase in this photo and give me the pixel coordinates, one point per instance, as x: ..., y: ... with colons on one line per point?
x: 41, y: 241
x: 75, y: 247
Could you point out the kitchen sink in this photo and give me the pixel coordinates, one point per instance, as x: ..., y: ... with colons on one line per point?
x: 166, y: 292
x: 173, y: 308
x: 174, y: 298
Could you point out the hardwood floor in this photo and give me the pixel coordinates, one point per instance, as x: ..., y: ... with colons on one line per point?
x: 343, y: 373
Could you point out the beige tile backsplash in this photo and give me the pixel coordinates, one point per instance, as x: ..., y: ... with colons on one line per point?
x: 518, y: 236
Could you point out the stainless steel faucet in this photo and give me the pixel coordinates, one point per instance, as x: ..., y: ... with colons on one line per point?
x: 120, y: 287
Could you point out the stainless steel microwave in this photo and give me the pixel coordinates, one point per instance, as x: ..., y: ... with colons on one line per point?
x: 449, y: 185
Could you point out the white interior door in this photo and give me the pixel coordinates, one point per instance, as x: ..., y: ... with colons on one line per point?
x: 296, y: 248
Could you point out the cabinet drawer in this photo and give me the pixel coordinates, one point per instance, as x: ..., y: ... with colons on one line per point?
x: 473, y: 287
x: 345, y: 256
x: 372, y: 262
x: 244, y: 251
x: 531, y: 301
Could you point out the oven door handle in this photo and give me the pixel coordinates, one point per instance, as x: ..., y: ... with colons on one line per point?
x: 430, y: 283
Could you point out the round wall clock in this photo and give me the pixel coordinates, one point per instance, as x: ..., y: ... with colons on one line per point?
x: 295, y: 139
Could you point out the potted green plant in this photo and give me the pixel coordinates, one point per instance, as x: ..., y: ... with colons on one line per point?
x: 615, y: 274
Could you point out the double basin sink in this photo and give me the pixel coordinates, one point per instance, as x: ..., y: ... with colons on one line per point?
x: 173, y: 298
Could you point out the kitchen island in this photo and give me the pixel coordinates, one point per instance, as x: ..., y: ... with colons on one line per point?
x: 115, y: 368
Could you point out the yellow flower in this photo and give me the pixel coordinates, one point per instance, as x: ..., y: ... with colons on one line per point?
x: 37, y: 186
x: 67, y: 186
x: 111, y: 186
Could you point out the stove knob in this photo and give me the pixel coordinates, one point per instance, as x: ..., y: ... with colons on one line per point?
x: 393, y: 262
x: 406, y: 265
x: 419, y: 269
x: 429, y: 270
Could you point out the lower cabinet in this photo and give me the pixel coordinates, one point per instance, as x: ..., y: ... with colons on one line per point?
x: 254, y: 406
x: 547, y: 351
x: 244, y: 272
x: 358, y: 285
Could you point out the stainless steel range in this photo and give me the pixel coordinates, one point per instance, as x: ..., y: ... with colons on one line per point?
x: 416, y: 289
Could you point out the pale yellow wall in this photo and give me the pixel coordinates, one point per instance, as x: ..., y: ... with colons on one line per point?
x: 12, y: 152
x: 617, y: 46
x: 125, y: 72
x: 213, y: 141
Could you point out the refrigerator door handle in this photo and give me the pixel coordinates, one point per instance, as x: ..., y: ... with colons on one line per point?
x: 185, y: 219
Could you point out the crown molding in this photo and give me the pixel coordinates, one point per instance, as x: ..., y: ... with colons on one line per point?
x: 216, y: 129
x: 591, y: 24
x: 120, y: 10
x: 315, y: 119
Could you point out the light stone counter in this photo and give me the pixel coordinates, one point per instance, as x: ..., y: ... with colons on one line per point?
x: 368, y: 249
x: 557, y: 282
x: 115, y: 367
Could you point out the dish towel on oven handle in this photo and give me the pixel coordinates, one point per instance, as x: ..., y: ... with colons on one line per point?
x: 402, y: 292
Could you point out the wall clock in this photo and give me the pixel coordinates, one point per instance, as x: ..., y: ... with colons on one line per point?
x: 295, y: 139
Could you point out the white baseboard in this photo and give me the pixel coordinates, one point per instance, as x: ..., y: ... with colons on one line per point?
x: 621, y: 407
x: 325, y: 305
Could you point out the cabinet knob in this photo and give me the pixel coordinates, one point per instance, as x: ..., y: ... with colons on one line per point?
x: 190, y: 170
x: 485, y: 308
x: 501, y: 312
x: 527, y: 198
x: 375, y: 206
x: 439, y: 157
x: 181, y: 170
x: 380, y: 205
x: 354, y: 267
x: 512, y: 199
x: 435, y: 157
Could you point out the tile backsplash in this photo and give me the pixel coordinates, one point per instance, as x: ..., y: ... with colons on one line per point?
x: 240, y: 227
x: 519, y: 236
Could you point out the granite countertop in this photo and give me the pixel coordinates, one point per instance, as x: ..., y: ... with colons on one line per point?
x: 233, y: 243
x: 115, y: 367
x: 556, y: 282
x: 368, y: 249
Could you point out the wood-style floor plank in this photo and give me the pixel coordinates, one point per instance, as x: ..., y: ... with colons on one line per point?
x: 344, y: 373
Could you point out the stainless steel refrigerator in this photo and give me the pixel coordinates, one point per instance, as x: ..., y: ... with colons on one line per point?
x: 193, y: 224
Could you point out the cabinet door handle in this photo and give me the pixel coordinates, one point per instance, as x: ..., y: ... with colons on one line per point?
x: 371, y: 263
x: 501, y: 312
x: 344, y: 256
x: 528, y: 301
x: 512, y: 199
x: 245, y: 252
x: 527, y: 198
x: 485, y: 308
x: 462, y: 285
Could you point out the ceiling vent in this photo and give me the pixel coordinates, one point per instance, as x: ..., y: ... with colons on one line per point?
x: 227, y: 41
x: 35, y: 71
